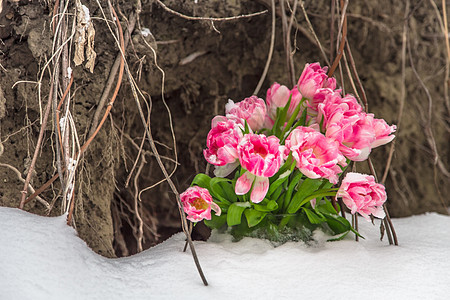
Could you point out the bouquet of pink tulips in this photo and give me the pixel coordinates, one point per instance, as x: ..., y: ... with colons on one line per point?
x: 287, y: 154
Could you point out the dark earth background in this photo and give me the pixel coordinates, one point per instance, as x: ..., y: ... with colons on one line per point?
x: 229, y: 64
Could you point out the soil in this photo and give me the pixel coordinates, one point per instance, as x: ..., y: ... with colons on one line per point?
x: 204, y: 65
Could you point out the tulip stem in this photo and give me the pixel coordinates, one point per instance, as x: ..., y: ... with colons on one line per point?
x: 292, y: 118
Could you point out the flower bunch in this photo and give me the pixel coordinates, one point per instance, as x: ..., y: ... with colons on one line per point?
x: 286, y: 153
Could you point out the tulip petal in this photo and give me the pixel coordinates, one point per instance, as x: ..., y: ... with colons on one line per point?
x: 260, y: 189
x: 379, y: 212
x: 361, y: 194
x: 363, y: 155
x: 223, y: 171
x: 244, y: 183
x: 216, y: 208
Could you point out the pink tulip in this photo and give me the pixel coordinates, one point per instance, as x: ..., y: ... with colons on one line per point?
x: 262, y: 157
x: 382, y: 132
x: 355, y: 135
x: 316, y: 156
x: 197, y: 204
x: 330, y: 83
x: 343, y: 120
x: 313, y: 78
x: 319, y: 97
x: 278, y: 96
x: 222, y: 142
x: 268, y: 122
x: 252, y: 109
x: 314, y: 115
x: 332, y: 107
x: 362, y: 194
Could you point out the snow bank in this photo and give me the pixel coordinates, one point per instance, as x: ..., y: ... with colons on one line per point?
x: 42, y: 258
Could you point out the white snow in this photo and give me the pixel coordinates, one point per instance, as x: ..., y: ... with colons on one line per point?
x: 87, y: 15
x: 145, y: 32
x: 72, y: 164
x: 42, y: 258
x: 62, y: 124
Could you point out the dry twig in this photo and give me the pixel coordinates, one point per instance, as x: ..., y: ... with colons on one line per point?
x: 269, y: 56
x: 158, y: 158
x: 297, y: 26
x: 36, y: 150
x: 358, y: 80
x: 287, y: 42
x: 316, y: 39
x: 19, y: 175
x: 112, y: 75
x: 402, y: 91
x: 343, y: 34
x: 91, y: 137
x: 207, y: 18
x: 291, y: 53
x: 437, y: 161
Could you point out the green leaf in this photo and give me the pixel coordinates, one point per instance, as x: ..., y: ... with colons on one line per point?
x: 276, y: 195
x: 292, y: 118
x: 337, y: 223
x: 284, y: 221
x: 237, y: 174
x: 247, y: 128
x: 271, y: 206
x: 277, y: 121
x: 306, y: 189
x: 288, y: 164
x: 216, y: 221
x: 356, y: 232
x: 223, y: 206
x: 313, y: 217
x: 243, y: 204
x: 254, y: 217
x: 317, y: 195
x: 302, y: 121
x: 277, y: 183
x: 326, y: 207
x: 281, y: 119
x: 295, y: 180
x: 223, y: 189
x: 235, y: 213
x: 338, y: 237
x: 202, y: 180
x: 327, y: 185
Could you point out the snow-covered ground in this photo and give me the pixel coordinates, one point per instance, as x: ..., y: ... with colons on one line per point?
x: 42, y: 258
